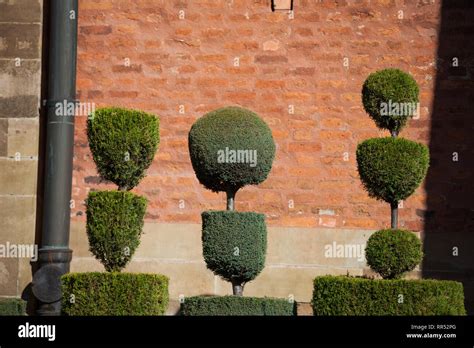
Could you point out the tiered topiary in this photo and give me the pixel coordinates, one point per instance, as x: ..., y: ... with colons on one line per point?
x: 123, y: 144
x: 392, y: 168
x: 232, y: 147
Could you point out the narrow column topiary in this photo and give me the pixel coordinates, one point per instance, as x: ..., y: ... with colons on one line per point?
x: 232, y: 147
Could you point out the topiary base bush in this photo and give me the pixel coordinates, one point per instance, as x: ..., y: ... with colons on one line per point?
x: 341, y: 295
x: 114, y: 294
x: 237, y: 306
x: 12, y: 307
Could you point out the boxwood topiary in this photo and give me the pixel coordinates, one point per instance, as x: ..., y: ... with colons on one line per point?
x: 123, y: 144
x: 236, y: 306
x: 390, y: 87
x: 391, y: 168
x: 12, y: 307
x: 234, y: 244
x: 232, y: 147
x: 114, y: 294
x: 341, y: 295
x: 114, y: 225
x: 391, y: 253
x: 214, y: 137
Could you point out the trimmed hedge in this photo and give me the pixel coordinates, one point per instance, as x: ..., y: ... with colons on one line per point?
x: 114, y: 225
x: 391, y: 253
x: 234, y: 244
x: 114, y: 294
x: 391, y: 169
x: 389, y: 86
x: 341, y: 295
x: 123, y: 144
x: 236, y: 306
x: 233, y: 129
x: 12, y: 307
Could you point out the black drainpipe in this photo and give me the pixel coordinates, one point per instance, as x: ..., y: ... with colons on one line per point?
x: 54, y: 255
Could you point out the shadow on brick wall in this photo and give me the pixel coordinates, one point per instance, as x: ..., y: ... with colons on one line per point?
x: 449, y: 218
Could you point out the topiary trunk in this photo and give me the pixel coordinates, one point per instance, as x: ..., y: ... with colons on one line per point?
x: 231, y: 199
x: 237, y: 288
x: 394, y: 216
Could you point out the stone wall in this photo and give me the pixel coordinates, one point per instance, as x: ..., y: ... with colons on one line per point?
x: 20, y: 86
x: 295, y: 256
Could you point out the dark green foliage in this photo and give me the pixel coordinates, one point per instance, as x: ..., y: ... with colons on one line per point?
x: 123, y: 143
x: 231, y: 128
x: 234, y: 244
x: 389, y: 86
x: 339, y: 295
x: 236, y: 306
x: 391, y: 168
x: 391, y: 253
x: 12, y: 307
x: 114, y: 294
x: 114, y: 226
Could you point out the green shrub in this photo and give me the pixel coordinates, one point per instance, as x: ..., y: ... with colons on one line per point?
x: 389, y: 87
x: 340, y: 295
x: 391, y: 253
x: 232, y: 129
x: 236, y: 306
x: 114, y: 225
x: 12, y: 307
x: 123, y: 144
x: 234, y: 244
x: 114, y: 294
x: 391, y: 168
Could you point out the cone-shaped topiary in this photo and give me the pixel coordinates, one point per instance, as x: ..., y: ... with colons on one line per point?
x: 234, y: 244
x: 391, y: 168
x: 390, y: 97
x: 114, y: 225
x: 232, y: 147
x: 391, y: 253
x: 123, y: 144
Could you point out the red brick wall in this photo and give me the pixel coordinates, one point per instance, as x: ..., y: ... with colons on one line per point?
x: 283, y: 62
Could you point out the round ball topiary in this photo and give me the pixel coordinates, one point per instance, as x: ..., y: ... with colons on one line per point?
x: 123, y: 143
x: 390, y: 97
x: 230, y: 148
x: 391, y: 168
x: 234, y: 244
x: 114, y: 225
x: 393, y: 252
